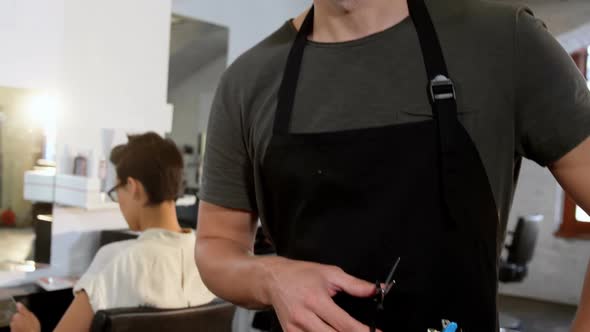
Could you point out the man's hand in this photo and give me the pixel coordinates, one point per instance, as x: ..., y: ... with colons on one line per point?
x: 24, y: 320
x: 301, y: 294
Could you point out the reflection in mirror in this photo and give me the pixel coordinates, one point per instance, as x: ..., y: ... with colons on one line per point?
x: 198, y: 57
x: 27, y: 155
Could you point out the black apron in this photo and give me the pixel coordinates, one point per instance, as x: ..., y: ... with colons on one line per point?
x: 358, y: 199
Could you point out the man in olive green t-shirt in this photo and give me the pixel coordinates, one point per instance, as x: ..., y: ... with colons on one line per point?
x: 519, y: 95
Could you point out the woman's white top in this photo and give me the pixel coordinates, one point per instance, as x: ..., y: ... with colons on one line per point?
x: 156, y: 270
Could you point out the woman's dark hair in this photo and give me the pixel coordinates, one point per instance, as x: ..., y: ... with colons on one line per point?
x: 153, y: 161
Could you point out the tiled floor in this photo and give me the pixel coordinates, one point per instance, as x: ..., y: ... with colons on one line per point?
x: 537, y: 316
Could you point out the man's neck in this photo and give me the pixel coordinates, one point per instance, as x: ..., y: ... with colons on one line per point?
x: 161, y: 216
x: 346, y: 20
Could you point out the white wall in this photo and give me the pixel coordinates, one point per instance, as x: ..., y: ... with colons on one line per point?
x: 115, y: 68
x: 557, y: 270
x: 248, y: 21
x: 31, y: 42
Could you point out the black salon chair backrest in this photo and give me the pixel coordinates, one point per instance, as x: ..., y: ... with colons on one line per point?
x: 520, y: 251
x: 214, y: 317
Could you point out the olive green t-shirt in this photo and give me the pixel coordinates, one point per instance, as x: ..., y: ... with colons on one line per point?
x: 519, y: 95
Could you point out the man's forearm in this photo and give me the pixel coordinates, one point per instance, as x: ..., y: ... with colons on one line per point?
x: 582, y: 322
x: 572, y: 171
x: 233, y: 273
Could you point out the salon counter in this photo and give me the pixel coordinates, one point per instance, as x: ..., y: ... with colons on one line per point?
x: 48, y: 306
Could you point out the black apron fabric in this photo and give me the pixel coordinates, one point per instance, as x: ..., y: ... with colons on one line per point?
x: 358, y: 199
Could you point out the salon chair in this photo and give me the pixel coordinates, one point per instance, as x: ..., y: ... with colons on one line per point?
x: 519, y: 253
x: 212, y: 317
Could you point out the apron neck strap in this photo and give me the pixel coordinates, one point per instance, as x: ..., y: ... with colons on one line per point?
x: 440, y: 87
x: 429, y: 43
x: 288, y: 89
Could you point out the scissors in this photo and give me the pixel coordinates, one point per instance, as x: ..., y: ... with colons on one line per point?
x: 382, y: 291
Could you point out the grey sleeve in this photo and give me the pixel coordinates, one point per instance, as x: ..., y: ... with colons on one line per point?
x: 227, y: 170
x: 552, y: 98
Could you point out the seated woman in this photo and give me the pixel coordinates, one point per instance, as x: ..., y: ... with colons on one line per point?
x: 157, y: 269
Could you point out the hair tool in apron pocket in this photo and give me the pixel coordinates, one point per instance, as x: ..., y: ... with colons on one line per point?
x: 447, y: 326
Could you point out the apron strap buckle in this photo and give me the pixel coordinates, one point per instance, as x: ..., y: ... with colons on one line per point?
x: 442, y: 88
